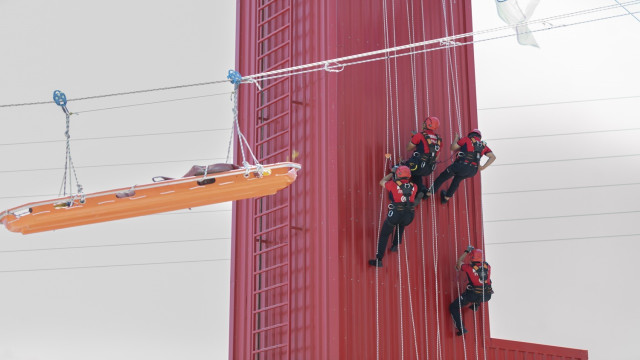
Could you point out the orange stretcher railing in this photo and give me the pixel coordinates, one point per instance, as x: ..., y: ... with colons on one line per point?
x: 149, y: 199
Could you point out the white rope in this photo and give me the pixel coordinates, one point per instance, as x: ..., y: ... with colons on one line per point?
x: 434, y: 250
x: 455, y: 227
x: 388, y: 88
x: 242, y: 140
x: 415, y: 107
x: 411, y: 31
x: 319, y: 66
x: 400, y: 293
x: 375, y: 251
x: 484, y: 248
x: 395, y: 64
x: 447, y: 39
x: 413, y: 323
x: 380, y: 223
x: 426, y: 70
x: 395, y: 161
x: 456, y: 87
x: 434, y: 226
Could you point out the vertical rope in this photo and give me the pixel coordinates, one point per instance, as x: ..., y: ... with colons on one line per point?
x: 400, y: 296
x: 395, y: 65
x: 426, y: 70
x: 413, y: 61
x: 375, y: 251
x: 434, y: 228
x: 449, y: 89
x: 388, y: 88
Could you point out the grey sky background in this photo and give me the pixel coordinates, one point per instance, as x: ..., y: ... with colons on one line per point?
x: 128, y: 299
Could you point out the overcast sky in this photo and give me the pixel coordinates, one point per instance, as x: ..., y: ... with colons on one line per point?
x: 128, y: 299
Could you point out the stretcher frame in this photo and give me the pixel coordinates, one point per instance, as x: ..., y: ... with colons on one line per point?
x: 141, y: 200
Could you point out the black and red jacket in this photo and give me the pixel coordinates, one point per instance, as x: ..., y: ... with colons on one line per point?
x: 427, y: 143
x: 471, y: 150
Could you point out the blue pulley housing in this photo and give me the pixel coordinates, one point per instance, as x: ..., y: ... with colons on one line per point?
x: 234, y: 77
x: 60, y: 98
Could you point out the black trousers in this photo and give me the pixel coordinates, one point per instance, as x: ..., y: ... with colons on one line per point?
x: 458, y: 171
x: 395, y: 220
x: 467, y: 297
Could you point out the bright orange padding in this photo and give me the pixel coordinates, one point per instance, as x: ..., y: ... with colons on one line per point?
x: 149, y: 199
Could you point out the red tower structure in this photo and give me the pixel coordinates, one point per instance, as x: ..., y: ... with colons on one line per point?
x: 301, y: 287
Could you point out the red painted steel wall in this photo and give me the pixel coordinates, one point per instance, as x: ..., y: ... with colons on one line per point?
x: 339, y: 127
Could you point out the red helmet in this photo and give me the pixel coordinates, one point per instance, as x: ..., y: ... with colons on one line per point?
x: 475, y: 131
x: 403, y: 173
x: 477, y: 256
x: 431, y: 123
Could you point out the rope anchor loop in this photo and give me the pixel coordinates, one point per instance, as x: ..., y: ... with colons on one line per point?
x: 335, y: 67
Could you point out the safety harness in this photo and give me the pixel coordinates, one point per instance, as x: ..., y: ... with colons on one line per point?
x: 405, y: 203
x: 421, y: 161
x: 482, y: 271
x: 472, y: 157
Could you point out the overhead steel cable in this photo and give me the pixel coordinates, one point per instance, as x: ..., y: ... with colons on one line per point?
x: 116, y: 137
x: 113, y: 165
x: 559, y: 103
x: 449, y: 41
x: 563, y: 134
x: 557, y: 189
x: 119, y: 93
x: 627, y: 10
x: 115, y: 265
x: 563, y: 160
x: 562, y: 239
x: 220, y: 159
x: 112, y: 245
x: 227, y: 129
x: 151, y: 103
x: 564, y: 216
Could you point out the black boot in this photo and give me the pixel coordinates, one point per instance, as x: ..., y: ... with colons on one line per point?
x: 461, y: 332
x: 443, y: 195
x: 375, y: 262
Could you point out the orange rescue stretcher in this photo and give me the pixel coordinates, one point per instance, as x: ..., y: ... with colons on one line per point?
x: 162, y: 196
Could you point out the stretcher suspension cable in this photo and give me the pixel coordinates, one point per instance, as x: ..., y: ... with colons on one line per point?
x: 61, y: 100
x: 236, y: 80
